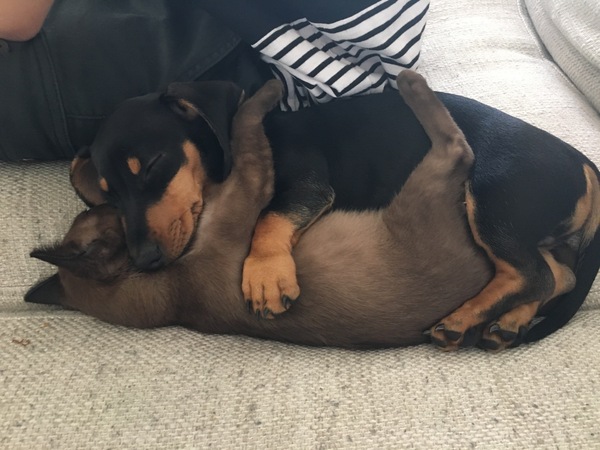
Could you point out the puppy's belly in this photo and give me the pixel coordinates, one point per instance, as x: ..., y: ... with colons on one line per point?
x: 361, y: 286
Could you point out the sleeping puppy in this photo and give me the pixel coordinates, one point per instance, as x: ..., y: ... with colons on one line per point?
x: 533, y: 201
x: 369, y: 279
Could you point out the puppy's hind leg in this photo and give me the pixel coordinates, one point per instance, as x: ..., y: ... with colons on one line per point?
x: 434, y: 192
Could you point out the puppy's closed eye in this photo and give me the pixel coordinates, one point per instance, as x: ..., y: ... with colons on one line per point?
x: 152, y: 165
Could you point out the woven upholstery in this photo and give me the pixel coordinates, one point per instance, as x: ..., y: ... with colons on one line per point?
x: 571, y: 33
x: 69, y: 381
x: 82, y: 384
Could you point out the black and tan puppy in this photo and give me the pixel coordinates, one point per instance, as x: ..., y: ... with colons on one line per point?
x: 533, y: 201
x: 368, y: 279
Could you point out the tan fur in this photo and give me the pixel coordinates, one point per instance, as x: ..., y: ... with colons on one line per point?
x: 134, y: 165
x: 564, y: 278
x: 269, y: 271
x: 368, y: 279
x: 512, y: 322
x: 592, y: 220
x: 103, y: 184
x: 183, y: 201
x: 188, y: 108
x: 508, y: 280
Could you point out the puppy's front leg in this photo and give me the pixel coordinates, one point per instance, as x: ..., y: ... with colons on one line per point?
x: 269, y: 277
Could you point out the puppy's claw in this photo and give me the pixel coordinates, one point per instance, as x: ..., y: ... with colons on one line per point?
x: 271, y: 282
x: 495, y: 328
x: 451, y: 340
x: 505, y: 335
x: 427, y: 333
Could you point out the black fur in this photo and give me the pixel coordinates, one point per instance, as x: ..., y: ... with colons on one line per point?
x: 525, y: 181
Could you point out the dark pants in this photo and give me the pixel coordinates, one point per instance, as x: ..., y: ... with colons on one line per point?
x: 56, y: 89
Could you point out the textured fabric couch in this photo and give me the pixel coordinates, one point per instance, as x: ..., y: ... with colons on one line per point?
x: 69, y: 381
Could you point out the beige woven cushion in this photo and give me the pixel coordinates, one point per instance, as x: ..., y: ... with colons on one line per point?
x: 570, y: 30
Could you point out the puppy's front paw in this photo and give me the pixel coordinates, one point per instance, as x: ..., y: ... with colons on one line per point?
x: 269, y: 284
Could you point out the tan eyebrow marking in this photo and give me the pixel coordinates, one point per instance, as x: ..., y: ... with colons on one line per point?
x: 190, y: 110
x: 134, y: 165
x: 103, y: 184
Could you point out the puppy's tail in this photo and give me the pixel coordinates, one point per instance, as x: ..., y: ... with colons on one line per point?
x: 588, y: 264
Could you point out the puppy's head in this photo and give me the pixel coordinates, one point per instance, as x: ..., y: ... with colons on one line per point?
x: 153, y: 159
x: 94, y: 249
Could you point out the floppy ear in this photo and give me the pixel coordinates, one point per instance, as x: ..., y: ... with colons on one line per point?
x: 85, y: 179
x: 46, y: 292
x: 214, y: 103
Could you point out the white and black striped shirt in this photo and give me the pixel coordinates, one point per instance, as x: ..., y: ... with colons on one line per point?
x: 334, y: 48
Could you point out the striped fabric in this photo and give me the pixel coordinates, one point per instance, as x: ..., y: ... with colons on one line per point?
x: 353, y: 56
x: 324, y: 50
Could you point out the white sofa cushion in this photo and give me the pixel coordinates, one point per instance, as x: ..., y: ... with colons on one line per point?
x: 570, y: 30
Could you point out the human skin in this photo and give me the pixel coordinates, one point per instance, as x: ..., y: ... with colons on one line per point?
x: 21, y: 20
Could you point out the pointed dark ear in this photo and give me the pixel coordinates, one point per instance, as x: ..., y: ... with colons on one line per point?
x: 69, y: 257
x: 99, y: 260
x: 46, y: 292
x: 213, y: 102
x: 85, y: 179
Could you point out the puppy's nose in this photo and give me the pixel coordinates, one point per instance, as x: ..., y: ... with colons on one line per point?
x: 149, y: 257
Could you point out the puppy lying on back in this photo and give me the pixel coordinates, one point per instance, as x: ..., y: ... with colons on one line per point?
x: 368, y: 279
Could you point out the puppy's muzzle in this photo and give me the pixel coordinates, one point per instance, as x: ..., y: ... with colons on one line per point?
x: 148, y: 256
